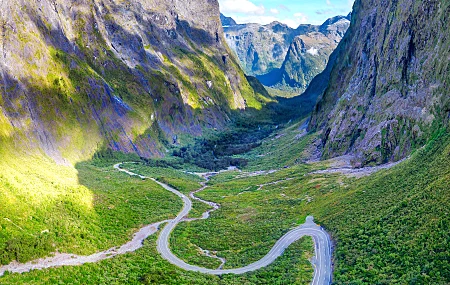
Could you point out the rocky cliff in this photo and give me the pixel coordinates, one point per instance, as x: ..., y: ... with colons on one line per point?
x: 128, y: 75
x: 388, y: 87
x: 227, y: 21
x: 261, y: 48
x: 283, y: 57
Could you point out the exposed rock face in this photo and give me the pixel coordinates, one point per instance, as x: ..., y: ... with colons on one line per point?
x: 227, y: 21
x: 284, y: 57
x: 388, y: 87
x: 261, y: 48
x: 123, y: 74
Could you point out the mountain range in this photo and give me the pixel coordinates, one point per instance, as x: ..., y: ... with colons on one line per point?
x: 282, y: 57
x: 138, y: 145
x: 386, y: 84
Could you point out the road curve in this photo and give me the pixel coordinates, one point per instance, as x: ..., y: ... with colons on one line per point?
x: 321, y: 261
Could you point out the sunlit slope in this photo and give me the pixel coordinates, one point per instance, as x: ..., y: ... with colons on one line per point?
x: 76, y: 79
x: 48, y: 208
x: 73, y: 80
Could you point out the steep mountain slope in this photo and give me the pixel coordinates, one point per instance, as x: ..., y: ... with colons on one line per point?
x: 261, y: 48
x: 283, y: 57
x: 81, y: 76
x: 227, y: 21
x: 126, y: 75
x: 307, y: 56
x: 388, y: 88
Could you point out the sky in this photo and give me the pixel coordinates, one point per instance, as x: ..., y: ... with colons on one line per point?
x: 291, y: 12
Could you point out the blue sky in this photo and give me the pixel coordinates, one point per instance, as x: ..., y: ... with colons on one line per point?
x: 290, y: 12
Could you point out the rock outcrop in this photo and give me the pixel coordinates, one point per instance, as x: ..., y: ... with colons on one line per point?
x: 227, y: 21
x: 283, y: 57
x: 128, y: 75
x: 388, y: 89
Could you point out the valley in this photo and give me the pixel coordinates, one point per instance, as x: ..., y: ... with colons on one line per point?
x: 257, y: 208
x: 285, y: 59
x: 161, y: 142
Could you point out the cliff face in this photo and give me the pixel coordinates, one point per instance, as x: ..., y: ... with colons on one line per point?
x: 388, y: 88
x: 307, y: 56
x: 261, y: 48
x: 283, y: 57
x: 227, y: 21
x: 78, y: 75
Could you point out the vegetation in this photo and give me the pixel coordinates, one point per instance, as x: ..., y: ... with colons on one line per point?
x: 218, y: 150
x: 282, y: 93
x: 146, y: 267
x: 48, y: 208
x: 255, y: 212
x: 392, y: 227
x: 285, y: 147
x: 389, y: 228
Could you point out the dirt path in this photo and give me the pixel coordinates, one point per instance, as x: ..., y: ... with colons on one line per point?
x: 341, y: 165
x: 64, y: 259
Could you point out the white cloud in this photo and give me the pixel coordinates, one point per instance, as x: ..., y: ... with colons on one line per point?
x: 301, y: 18
x: 350, y: 3
x: 241, y: 6
x: 246, y: 11
x: 267, y: 19
x: 284, y: 8
x: 260, y: 19
x: 293, y: 23
x: 274, y: 11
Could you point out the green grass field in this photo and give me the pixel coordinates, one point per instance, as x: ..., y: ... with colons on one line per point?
x: 388, y: 228
x: 78, y: 210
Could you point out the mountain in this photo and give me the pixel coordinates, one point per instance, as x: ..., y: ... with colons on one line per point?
x: 227, y: 21
x: 128, y: 76
x: 386, y: 94
x: 283, y: 57
x: 261, y: 48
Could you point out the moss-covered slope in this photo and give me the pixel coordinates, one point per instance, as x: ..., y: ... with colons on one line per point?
x: 128, y: 75
x: 388, y: 89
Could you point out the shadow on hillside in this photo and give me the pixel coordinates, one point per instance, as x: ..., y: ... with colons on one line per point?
x: 114, y: 99
x: 113, y: 108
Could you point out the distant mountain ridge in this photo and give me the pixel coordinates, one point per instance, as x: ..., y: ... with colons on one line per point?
x: 227, y: 21
x: 283, y: 57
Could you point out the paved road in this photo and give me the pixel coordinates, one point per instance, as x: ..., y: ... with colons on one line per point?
x: 321, y: 261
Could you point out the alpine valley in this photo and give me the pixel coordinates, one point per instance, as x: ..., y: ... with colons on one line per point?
x: 161, y: 142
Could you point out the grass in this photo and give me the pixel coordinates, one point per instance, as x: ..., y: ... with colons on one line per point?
x: 146, y: 267
x: 120, y: 205
x: 388, y: 228
x: 48, y: 208
x: 251, y: 218
x: 183, y: 182
x: 285, y: 147
x: 392, y: 227
x: 276, y: 92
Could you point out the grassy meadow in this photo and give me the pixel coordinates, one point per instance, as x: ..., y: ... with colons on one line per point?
x: 388, y: 228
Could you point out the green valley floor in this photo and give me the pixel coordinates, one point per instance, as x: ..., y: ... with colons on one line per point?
x: 389, y: 227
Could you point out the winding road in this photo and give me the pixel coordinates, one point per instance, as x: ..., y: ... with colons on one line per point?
x: 321, y: 261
